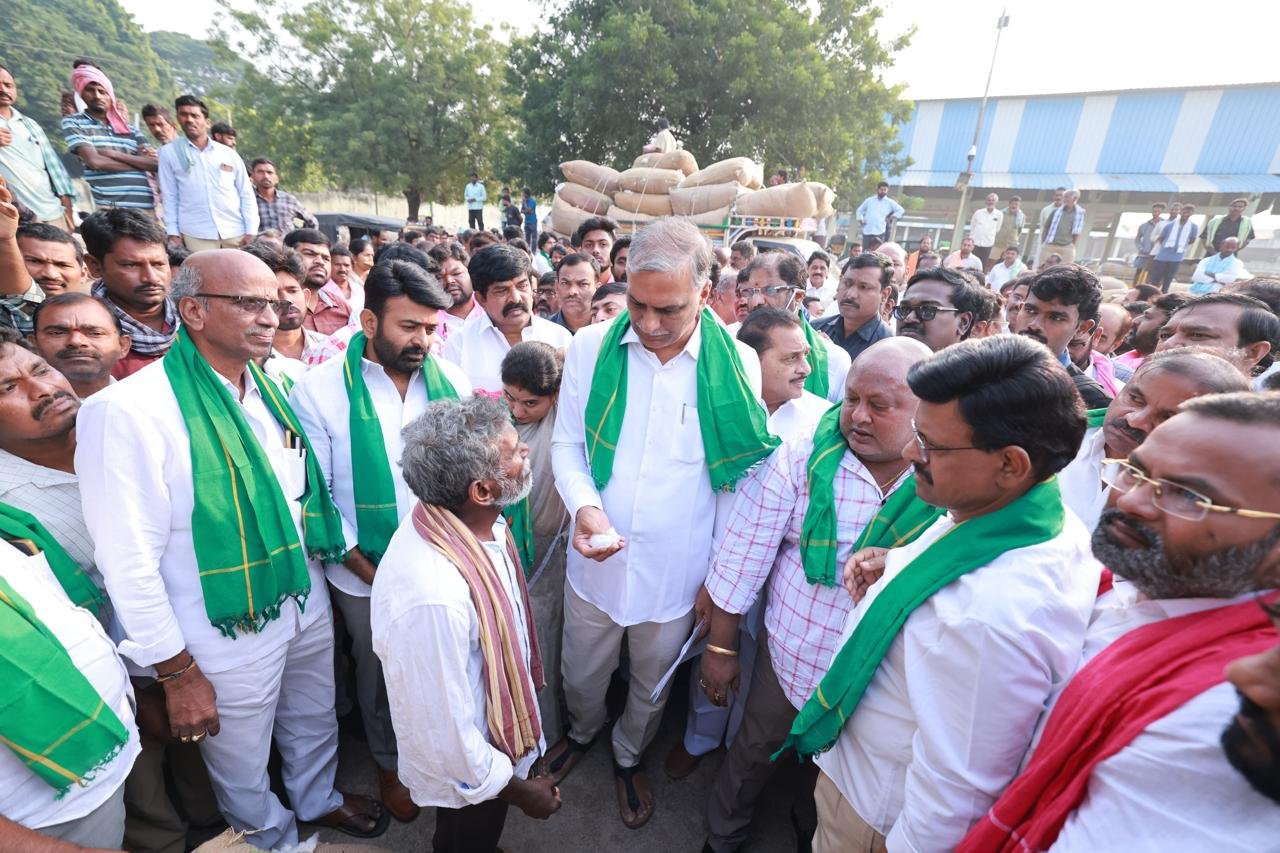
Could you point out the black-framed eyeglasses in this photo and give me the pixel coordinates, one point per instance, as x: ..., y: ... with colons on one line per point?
x: 1177, y: 500
x: 251, y: 305
x: 925, y: 448
x: 924, y: 312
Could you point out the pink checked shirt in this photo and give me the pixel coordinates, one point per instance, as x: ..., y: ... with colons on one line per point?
x: 762, y: 544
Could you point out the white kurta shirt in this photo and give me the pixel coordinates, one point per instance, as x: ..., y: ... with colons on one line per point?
x: 984, y: 224
x: 1083, y: 491
x: 1201, y: 801
x: 949, y: 715
x: 133, y: 455
x: 480, y: 347
x: 838, y: 364
x: 659, y: 496
x: 25, y: 798
x: 321, y: 404
x: 427, y: 634
x: 798, y: 417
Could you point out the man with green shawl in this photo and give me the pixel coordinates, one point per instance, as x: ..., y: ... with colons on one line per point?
x: 353, y: 409
x: 659, y: 419
x: 777, y: 280
x: 794, y: 525
x: 950, y: 656
x: 210, y: 518
x: 67, y: 726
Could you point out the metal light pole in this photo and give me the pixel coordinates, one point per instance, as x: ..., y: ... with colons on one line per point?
x: 966, y: 177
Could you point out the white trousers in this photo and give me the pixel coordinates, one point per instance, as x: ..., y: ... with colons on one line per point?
x: 288, y: 692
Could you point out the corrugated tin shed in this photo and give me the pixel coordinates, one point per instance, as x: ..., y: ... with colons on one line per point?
x: 1212, y: 140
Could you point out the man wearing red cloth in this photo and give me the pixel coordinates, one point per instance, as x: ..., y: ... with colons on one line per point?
x: 1130, y: 756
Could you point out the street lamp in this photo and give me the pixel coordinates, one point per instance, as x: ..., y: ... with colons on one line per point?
x: 966, y: 177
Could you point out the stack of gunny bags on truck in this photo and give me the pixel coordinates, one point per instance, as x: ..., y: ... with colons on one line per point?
x: 673, y: 185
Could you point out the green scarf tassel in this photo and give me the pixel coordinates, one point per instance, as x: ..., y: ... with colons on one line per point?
x: 735, y: 435
x: 79, y: 587
x: 247, y: 551
x: 52, y: 718
x: 374, y: 485
x: 819, y: 379
x: 1035, y: 517
x: 520, y: 523
x: 1095, y: 417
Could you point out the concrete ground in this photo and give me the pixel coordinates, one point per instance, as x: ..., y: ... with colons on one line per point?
x: 588, y: 821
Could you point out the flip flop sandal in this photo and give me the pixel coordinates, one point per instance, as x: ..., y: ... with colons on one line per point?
x: 562, y: 765
x: 340, y: 818
x: 626, y: 776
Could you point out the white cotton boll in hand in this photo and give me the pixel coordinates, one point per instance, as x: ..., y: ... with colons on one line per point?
x: 605, y: 540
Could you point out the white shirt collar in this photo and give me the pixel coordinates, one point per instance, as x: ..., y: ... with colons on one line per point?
x: 692, y: 347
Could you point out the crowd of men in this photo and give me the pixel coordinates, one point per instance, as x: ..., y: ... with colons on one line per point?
x: 994, y: 554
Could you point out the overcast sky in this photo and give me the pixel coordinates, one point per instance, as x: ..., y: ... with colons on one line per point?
x: 1087, y: 45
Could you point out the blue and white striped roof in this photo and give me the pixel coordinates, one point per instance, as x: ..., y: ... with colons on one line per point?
x: 1159, y: 141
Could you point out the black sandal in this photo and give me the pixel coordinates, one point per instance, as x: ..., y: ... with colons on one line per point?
x: 563, y: 764
x: 627, y: 776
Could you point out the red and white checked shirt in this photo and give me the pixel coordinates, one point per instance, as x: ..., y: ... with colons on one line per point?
x: 762, y: 544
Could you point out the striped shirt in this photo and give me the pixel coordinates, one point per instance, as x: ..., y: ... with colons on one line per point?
x: 762, y: 544
x: 110, y: 189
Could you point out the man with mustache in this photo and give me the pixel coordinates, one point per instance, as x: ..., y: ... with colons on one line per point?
x: 453, y: 626
x: 777, y: 280
x: 327, y: 308
x: 52, y: 257
x: 210, y: 519
x: 126, y: 254
x: 576, y: 281
x: 865, y: 281
x: 769, y: 550
x: 456, y: 282
x: 500, y: 275
x: 1193, y: 539
x: 948, y: 657
x: 80, y: 337
x: 1063, y: 301
x: 353, y: 410
x: 659, y: 417
x: 1149, y: 399
x: 294, y: 347
x: 1144, y: 336
x: 1242, y: 327
x: 938, y: 308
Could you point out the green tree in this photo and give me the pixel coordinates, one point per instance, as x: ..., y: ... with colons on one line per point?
x: 788, y: 82
x: 389, y: 95
x: 197, y: 65
x: 41, y: 38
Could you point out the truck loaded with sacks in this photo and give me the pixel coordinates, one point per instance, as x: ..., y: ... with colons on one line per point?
x: 714, y: 198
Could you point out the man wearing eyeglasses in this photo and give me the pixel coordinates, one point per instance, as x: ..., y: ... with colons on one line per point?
x: 865, y: 282
x: 1192, y: 540
x: 938, y: 308
x: 209, y: 534
x: 777, y: 280
x: 948, y: 657
x: 1151, y: 397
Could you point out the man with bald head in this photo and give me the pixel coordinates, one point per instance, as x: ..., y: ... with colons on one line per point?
x: 209, y: 536
x: 823, y: 485
x: 1217, y: 270
x: 898, y: 257
x: 1152, y: 396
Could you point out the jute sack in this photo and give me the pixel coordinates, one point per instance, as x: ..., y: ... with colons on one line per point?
x: 710, y: 217
x: 584, y: 198
x: 618, y: 214
x: 565, y: 218
x: 647, y: 203
x: 679, y: 159
x: 649, y: 181
x: 743, y: 170
x: 791, y: 200
x: 824, y: 197
x: 602, y: 179
x: 694, y: 200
